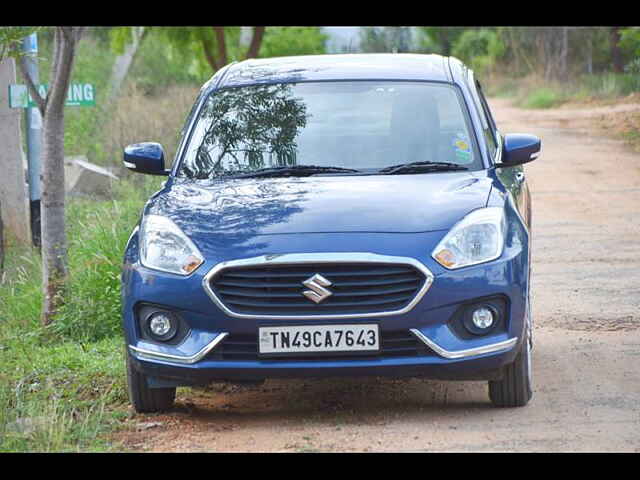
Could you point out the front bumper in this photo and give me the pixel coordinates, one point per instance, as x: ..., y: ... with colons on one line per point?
x: 449, y: 355
x: 154, y: 355
x: 482, y: 362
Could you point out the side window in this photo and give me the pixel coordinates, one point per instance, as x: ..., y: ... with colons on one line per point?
x: 485, y: 106
x: 488, y: 125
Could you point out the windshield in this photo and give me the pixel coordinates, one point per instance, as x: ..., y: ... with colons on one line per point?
x: 361, y: 125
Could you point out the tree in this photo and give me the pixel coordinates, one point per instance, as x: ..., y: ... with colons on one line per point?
x: 217, y: 45
x: 630, y: 44
x: 125, y: 58
x: 210, y: 48
x: 285, y: 41
x: 480, y: 48
x: 443, y: 37
x: 553, y: 46
x: 51, y: 107
x: 616, y: 52
x: 385, y: 39
x: 544, y: 50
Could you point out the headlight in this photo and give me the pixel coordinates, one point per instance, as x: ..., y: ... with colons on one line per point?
x: 477, y: 238
x: 163, y: 246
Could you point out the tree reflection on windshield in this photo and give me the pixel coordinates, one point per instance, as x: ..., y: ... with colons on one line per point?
x: 246, y: 129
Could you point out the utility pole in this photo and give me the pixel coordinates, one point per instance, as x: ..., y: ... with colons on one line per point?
x: 34, y: 137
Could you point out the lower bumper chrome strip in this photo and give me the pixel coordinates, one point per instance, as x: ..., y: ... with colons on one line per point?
x: 151, y: 355
x: 493, y: 347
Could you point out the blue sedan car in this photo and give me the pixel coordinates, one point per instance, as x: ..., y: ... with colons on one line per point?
x: 337, y: 215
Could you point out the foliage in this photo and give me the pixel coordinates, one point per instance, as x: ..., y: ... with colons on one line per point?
x: 11, y: 39
x: 98, y: 232
x: 285, y: 41
x: 610, y: 84
x: 630, y: 43
x: 119, y: 38
x: 440, y: 39
x: 542, y: 98
x: 633, y: 67
x: 196, y: 49
x: 385, y: 39
x: 479, y: 48
x: 62, y: 387
x: 60, y: 398
x: 160, y: 63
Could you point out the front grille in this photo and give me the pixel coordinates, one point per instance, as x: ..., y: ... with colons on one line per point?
x: 356, y: 288
x: 393, y: 344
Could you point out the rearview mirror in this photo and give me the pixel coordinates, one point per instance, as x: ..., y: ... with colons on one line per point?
x: 147, y: 157
x: 520, y: 148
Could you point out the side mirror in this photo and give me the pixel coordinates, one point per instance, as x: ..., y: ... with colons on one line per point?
x: 520, y: 148
x: 147, y: 157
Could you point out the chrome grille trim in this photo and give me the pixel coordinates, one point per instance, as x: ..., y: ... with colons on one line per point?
x: 318, y: 258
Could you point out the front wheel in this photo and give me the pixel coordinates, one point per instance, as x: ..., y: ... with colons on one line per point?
x: 514, y: 390
x: 143, y: 398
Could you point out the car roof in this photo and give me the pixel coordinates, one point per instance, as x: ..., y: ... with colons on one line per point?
x: 368, y: 66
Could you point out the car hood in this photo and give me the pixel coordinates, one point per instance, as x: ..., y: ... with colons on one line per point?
x: 373, y: 203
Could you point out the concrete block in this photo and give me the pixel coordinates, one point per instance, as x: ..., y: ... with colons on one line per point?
x: 83, y: 178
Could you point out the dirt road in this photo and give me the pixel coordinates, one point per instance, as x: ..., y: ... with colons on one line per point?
x: 586, y: 286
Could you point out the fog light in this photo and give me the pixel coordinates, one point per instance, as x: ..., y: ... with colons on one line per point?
x: 480, y: 319
x: 483, y: 318
x: 162, y: 325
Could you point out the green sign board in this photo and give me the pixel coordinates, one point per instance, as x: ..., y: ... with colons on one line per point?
x: 79, y: 95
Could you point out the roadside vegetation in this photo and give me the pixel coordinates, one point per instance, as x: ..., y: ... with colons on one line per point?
x: 536, y: 67
x: 62, y: 387
x: 535, y: 92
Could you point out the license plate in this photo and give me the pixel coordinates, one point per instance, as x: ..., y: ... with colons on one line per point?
x: 319, y: 339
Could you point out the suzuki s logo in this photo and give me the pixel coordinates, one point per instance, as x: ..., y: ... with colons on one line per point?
x: 317, y: 283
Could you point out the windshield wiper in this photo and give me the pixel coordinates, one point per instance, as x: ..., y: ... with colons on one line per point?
x: 421, y: 167
x: 293, y: 171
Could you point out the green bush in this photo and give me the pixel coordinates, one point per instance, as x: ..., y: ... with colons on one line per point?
x: 479, y: 48
x: 611, y: 84
x: 542, y: 98
x: 630, y: 41
x: 97, y: 233
x: 61, y: 386
x: 158, y: 64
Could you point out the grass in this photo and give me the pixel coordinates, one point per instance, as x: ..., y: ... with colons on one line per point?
x: 62, y: 388
x: 138, y: 116
x: 57, y: 398
x: 542, y: 98
x: 534, y: 92
x: 632, y: 136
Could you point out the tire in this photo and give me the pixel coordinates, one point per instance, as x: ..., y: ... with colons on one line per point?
x: 515, y: 388
x: 143, y: 398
